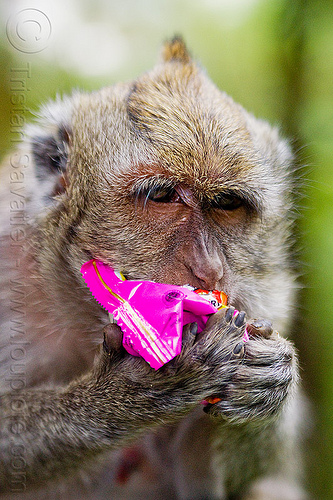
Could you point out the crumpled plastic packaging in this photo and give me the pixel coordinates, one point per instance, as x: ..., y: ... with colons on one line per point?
x: 151, y: 315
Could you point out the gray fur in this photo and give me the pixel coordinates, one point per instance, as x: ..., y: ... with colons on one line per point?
x: 171, y: 128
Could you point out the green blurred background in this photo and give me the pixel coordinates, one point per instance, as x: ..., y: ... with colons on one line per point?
x: 275, y: 57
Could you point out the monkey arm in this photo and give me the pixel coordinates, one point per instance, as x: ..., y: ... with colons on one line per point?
x: 56, y: 431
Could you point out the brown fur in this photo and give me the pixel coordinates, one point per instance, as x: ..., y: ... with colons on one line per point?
x: 95, y: 162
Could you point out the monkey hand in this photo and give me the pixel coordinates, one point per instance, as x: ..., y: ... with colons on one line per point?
x: 261, y: 373
x: 238, y: 380
x: 150, y: 396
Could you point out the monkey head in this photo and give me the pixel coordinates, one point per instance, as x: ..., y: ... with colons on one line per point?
x: 167, y: 179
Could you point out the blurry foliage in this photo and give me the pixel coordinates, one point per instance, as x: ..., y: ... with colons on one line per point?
x: 276, y: 58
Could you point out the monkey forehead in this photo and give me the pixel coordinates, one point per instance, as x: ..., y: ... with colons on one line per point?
x: 189, y: 129
x: 197, y: 131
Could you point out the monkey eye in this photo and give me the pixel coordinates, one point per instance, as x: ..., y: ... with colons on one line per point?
x: 163, y: 195
x: 225, y: 201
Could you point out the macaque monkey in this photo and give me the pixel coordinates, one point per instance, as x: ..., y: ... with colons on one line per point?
x: 166, y: 179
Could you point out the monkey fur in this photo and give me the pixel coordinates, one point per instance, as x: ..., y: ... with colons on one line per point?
x: 166, y: 179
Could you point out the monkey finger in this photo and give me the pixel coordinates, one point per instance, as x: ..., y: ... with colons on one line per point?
x: 221, y: 317
x: 259, y: 328
x: 113, y: 337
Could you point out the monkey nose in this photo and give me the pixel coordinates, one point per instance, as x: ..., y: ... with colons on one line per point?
x: 209, y: 275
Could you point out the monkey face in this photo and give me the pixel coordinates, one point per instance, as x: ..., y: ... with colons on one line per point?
x: 167, y: 179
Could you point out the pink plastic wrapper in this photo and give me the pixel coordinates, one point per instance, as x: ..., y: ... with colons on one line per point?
x: 151, y: 315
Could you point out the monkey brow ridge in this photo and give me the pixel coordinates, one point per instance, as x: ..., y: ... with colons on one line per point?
x: 147, y: 185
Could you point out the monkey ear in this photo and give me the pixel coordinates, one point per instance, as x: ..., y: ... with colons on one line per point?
x: 49, y: 154
x: 175, y: 50
x: 49, y: 141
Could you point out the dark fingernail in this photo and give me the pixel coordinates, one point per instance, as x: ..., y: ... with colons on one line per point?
x: 239, y: 348
x: 194, y: 328
x: 239, y: 321
x: 262, y: 327
x: 229, y: 314
x: 262, y: 323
